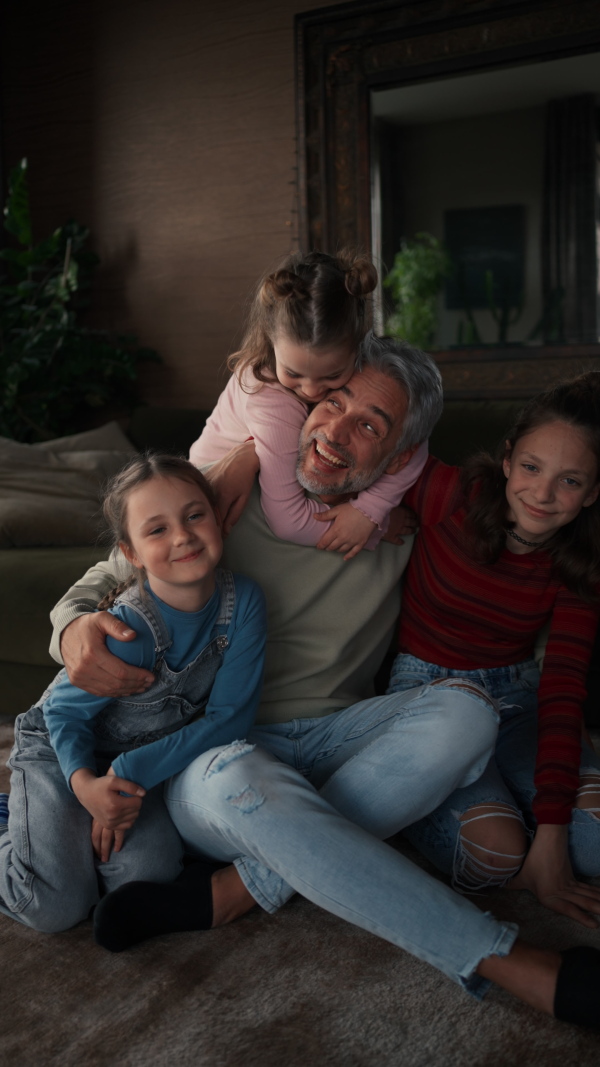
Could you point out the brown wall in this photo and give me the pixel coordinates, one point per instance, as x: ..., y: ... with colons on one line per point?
x: 167, y: 126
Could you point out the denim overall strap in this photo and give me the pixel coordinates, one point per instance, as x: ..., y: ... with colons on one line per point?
x: 177, y: 697
x: 148, y: 610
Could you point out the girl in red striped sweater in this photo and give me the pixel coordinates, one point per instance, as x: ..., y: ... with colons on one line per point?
x: 504, y: 548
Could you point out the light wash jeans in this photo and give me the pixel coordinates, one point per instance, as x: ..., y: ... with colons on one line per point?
x: 507, y: 779
x: 304, y: 813
x: 49, y: 876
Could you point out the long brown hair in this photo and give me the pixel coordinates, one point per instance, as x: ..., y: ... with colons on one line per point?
x: 139, y: 470
x: 315, y: 300
x: 574, y: 548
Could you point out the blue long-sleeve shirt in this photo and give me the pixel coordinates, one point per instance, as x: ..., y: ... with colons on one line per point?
x: 232, y: 704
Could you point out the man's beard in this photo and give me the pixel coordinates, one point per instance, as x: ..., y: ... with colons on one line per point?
x: 350, y: 479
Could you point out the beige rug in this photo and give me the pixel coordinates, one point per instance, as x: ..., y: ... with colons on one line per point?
x: 298, y: 989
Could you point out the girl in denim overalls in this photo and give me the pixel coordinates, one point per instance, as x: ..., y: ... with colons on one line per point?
x: 85, y: 812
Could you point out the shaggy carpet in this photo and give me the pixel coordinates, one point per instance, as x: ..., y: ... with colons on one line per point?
x: 295, y: 989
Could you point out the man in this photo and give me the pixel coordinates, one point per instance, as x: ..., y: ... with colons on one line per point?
x: 308, y: 809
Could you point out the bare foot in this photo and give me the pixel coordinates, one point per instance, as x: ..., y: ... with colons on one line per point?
x: 230, y: 896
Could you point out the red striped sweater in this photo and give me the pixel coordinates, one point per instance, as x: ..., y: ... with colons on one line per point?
x: 462, y: 614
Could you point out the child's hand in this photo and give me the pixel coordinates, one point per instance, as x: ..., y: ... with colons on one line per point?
x: 103, y: 840
x: 232, y: 478
x: 102, y: 798
x: 403, y: 522
x: 349, y: 530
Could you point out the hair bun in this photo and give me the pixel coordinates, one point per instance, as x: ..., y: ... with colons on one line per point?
x: 283, y: 285
x: 360, y: 275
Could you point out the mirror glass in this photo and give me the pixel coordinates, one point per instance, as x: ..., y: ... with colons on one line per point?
x: 499, y: 173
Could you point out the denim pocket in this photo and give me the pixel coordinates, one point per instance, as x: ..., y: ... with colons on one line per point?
x: 129, y: 724
x: 529, y: 679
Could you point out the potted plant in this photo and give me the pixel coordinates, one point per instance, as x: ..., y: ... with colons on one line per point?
x: 414, y: 283
x: 53, y: 368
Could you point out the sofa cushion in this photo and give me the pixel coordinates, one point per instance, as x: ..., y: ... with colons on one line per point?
x: 50, y: 493
x: 107, y: 438
x: 32, y: 580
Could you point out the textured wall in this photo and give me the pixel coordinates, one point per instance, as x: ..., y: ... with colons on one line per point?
x: 169, y: 128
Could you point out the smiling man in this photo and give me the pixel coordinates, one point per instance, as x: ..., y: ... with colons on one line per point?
x: 355, y: 435
x: 330, y: 622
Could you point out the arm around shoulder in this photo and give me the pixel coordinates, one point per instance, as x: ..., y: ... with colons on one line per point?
x: 85, y: 595
x: 80, y: 632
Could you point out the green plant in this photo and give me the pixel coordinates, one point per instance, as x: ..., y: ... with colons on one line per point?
x: 414, y: 282
x: 53, y: 368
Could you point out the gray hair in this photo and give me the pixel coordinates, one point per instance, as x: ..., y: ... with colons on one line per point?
x: 417, y: 373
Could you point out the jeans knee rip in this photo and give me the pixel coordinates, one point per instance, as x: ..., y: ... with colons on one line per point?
x: 247, y: 801
x: 589, y: 790
x: 471, y: 873
x: 234, y: 751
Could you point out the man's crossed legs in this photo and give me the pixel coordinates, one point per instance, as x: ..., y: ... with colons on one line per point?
x: 306, y: 811
x: 364, y: 773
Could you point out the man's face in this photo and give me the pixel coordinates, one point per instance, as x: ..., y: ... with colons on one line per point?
x: 349, y: 438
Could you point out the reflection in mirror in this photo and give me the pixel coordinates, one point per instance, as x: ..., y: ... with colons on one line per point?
x: 500, y: 168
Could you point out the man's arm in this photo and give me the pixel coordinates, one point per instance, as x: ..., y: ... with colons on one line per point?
x: 80, y: 632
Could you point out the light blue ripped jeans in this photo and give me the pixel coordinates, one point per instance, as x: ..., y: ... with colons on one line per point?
x: 507, y: 782
x: 307, y: 810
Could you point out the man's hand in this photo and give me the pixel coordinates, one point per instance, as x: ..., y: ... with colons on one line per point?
x: 102, y: 798
x: 232, y: 478
x: 349, y: 530
x: 403, y: 522
x: 91, y: 666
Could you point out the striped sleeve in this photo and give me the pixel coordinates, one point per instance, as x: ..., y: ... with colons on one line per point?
x: 561, y: 695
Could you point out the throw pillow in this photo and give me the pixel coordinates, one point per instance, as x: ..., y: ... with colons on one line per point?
x: 51, y: 496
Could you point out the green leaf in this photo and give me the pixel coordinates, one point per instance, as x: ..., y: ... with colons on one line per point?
x: 414, y: 281
x: 17, y: 219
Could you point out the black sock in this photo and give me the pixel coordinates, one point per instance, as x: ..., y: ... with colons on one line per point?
x: 139, y: 910
x: 577, y: 997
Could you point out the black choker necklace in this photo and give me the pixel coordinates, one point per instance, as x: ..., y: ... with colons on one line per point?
x: 522, y: 541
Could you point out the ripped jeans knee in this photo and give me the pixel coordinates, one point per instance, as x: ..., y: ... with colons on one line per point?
x: 588, y: 794
x: 490, y: 848
x: 245, y: 799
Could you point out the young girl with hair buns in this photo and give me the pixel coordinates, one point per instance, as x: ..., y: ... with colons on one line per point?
x: 305, y: 327
x: 87, y: 771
